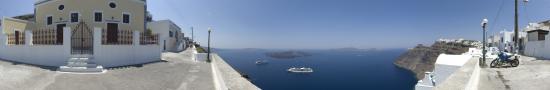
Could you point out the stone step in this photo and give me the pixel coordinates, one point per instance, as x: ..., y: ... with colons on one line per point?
x: 77, y: 64
x: 81, y: 63
x: 95, y: 69
x: 78, y: 59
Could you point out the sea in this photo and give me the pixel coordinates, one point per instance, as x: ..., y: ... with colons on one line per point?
x: 333, y: 69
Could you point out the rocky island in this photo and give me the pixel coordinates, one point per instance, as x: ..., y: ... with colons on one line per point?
x: 287, y: 54
x: 422, y: 58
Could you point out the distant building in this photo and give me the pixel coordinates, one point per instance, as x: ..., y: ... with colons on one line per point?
x: 504, y: 41
x: 170, y: 34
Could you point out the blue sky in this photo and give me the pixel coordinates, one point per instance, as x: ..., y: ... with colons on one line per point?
x: 321, y: 24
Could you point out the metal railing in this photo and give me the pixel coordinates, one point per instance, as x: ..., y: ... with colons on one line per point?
x: 45, y: 37
x: 124, y: 37
x: 147, y: 39
x: 12, y: 39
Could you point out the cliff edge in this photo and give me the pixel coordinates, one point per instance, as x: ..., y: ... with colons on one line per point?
x: 422, y: 58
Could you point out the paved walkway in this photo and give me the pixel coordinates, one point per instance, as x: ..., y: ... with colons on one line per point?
x: 531, y: 74
x: 176, y: 72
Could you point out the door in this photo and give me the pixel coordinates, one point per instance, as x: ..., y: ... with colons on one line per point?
x: 59, y: 32
x: 82, y: 40
x: 17, y: 37
x: 112, y: 33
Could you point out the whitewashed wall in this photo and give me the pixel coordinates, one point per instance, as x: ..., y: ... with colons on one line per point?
x: 120, y: 55
x: 47, y: 55
x: 539, y: 49
x: 162, y: 27
x: 57, y: 55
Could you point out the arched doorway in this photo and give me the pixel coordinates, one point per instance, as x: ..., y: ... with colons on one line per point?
x: 82, y: 40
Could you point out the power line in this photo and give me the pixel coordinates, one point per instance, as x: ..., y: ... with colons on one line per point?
x: 497, y: 15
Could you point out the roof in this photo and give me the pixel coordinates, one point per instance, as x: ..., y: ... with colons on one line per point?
x: 26, y: 17
x: 537, y: 30
x: 453, y: 60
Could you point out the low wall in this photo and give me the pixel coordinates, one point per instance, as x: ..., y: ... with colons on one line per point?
x: 57, y: 55
x: 47, y: 55
x: 461, y: 78
x: 121, y: 55
x: 227, y: 78
x: 537, y: 49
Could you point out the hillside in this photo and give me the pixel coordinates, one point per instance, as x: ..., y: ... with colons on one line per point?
x: 422, y: 58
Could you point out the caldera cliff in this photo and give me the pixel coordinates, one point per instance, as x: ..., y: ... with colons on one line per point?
x: 422, y: 58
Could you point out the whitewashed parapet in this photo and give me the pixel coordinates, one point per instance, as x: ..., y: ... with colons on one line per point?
x: 227, y: 78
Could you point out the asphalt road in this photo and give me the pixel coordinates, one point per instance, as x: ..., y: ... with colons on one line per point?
x: 176, y: 72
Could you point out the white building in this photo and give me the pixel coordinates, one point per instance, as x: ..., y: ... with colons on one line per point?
x: 170, y: 35
x: 538, y: 44
x: 85, y: 33
x: 445, y: 65
x: 504, y: 40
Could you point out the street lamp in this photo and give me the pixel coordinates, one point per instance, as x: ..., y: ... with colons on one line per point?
x: 208, y: 56
x: 193, y: 35
x: 483, y: 25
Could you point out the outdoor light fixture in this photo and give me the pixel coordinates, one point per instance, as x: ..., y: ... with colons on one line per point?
x: 484, y: 22
x: 483, y: 25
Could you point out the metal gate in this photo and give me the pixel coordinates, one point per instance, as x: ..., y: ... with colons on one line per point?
x: 82, y: 39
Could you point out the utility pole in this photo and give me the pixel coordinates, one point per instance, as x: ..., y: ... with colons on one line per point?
x: 515, y: 48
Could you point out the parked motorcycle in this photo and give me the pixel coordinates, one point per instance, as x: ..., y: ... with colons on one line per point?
x: 505, y: 59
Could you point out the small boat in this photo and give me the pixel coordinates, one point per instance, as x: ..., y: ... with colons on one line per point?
x: 259, y: 61
x: 300, y: 70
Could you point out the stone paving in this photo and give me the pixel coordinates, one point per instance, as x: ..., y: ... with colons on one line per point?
x: 175, y: 72
x: 531, y: 74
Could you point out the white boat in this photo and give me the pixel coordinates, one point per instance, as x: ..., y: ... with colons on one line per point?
x: 259, y: 61
x: 300, y: 70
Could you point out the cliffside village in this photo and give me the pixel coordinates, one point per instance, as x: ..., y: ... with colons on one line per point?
x: 464, y: 72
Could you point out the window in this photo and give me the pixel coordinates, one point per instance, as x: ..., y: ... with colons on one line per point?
x: 98, y: 16
x: 170, y: 34
x: 112, y: 5
x: 125, y: 18
x: 61, y: 7
x: 542, y: 35
x: 74, y: 17
x: 49, y: 20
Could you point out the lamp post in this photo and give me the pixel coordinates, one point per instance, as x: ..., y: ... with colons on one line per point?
x: 192, y: 34
x: 483, y: 25
x: 208, y: 56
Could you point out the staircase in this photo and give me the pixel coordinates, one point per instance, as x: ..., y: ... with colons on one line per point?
x: 81, y: 64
